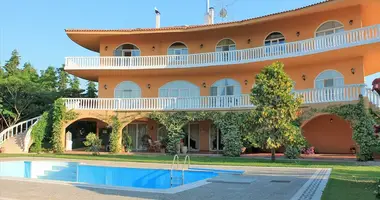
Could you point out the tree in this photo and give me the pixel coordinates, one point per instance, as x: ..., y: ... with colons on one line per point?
x: 63, y: 79
x: 29, y: 72
x: 276, y: 109
x: 11, y: 66
x: 75, y: 83
x: 48, y: 79
x: 91, y: 90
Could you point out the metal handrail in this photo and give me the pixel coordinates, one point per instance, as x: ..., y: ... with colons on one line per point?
x: 187, y: 158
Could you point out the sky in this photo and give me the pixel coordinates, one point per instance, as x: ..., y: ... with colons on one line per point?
x: 36, y: 27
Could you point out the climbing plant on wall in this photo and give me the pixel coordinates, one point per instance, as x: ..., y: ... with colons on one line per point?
x: 115, y: 144
x: 361, y: 121
x: 231, y: 124
x: 60, y: 115
x: 40, y: 130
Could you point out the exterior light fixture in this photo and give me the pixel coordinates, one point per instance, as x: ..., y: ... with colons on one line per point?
x: 148, y: 86
x: 201, y: 46
x: 298, y: 33
x: 249, y: 41
x: 304, y: 77
x: 105, y: 86
x: 246, y: 82
x: 106, y: 48
x: 353, y: 70
x: 204, y: 84
x: 351, y: 22
x: 153, y: 48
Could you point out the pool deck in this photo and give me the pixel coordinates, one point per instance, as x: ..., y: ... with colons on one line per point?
x: 264, y: 183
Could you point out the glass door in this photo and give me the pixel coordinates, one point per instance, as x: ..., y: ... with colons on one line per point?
x: 192, y: 137
x: 215, y: 140
x: 137, y: 131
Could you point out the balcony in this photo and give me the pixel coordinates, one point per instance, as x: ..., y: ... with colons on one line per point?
x: 310, y: 96
x: 351, y: 38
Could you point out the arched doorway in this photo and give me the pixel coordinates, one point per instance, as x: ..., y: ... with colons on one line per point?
x: 329, y: 134
x: 76, y: 132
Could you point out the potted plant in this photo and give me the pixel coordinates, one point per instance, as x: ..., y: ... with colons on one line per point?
x: 127, y: 141
x: 164, y: 143
x: 353, y: 150
x: 184, y: 149
x: 2, y: 149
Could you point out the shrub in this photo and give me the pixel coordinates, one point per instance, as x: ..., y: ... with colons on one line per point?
x: 292, y: 152
x: 39, y: 131
x: 115, y: 145
x: 308, y: 150
x: 127, y: 141
x: 93, y: 143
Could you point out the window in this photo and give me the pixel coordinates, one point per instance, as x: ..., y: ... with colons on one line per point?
x: 328, y: 28
x: 225, y: 87
x: 127, y: 89
x: 180, y: 89
x: 127, y: 50
x: 329, y: 78
x: 226, y: 45
x: 178, y: 48
x: 179, y: 52
x: 274, y: 38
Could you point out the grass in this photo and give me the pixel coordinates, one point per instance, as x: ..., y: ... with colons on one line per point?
x: 348, y: 180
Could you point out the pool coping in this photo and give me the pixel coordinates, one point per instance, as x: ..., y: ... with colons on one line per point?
x: 317, y: 192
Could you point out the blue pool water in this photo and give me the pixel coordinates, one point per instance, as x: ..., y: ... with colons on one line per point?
x: 99, y: 175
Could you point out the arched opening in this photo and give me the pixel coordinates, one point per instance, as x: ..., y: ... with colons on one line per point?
x: 143, y: 135
x: 179, y: 89
x: 328, y: 28
x: 76, y: 132
x: 274, y: 38
x: 329, y: 78
x: 127, y: 50
x: 127, y: 89
x: 225, y: 45
x: 329, y: 134
x: 178, y: 48
x: 225, y: 87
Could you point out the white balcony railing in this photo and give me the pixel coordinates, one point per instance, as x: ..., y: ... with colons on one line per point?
x: 366, y: 35
x: 311, y: 96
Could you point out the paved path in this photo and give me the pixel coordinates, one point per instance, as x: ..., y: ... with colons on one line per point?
x: 263, y: 184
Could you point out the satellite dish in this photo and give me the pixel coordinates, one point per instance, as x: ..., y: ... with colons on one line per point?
x: 223, y: 13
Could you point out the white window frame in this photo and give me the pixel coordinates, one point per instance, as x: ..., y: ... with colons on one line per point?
x: 219, y: 48
x: 129, y: 50
x: 137, y: 148
x: 272, y: 40
x: 324, y: 79
x: 188, y: 136
x: 327, y: 30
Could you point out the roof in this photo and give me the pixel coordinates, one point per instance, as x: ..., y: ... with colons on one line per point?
x: 186, y: 27
x: 90, y: 38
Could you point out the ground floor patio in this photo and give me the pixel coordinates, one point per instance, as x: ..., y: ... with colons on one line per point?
x: 327, y: 133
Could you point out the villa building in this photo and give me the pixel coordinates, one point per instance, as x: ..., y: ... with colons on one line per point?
x: 327, y: 49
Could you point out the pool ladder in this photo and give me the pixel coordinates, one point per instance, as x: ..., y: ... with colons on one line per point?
x: 175, y: 166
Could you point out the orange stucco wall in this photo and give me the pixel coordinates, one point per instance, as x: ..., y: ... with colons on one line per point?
x: 306, y: 25
x: 311, y: 72
x: 329, y: 134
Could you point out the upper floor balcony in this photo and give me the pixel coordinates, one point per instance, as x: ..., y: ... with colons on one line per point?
x: 339, y: 40
x: 310, y: 97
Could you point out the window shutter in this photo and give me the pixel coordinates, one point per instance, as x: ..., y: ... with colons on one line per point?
x: 214, y: 91
x: 339, y: 82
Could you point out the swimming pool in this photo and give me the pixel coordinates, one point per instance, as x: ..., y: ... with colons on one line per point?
x: 101, y: 175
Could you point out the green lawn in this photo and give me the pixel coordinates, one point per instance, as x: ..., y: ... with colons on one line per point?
x: 348, y: 180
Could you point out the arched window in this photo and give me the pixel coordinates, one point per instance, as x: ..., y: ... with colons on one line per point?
x: 127, y: 50
x: 179, y: 89
x: 177, y: 48
x: 225, y: 87
x: 329, y: 78
x: 127, y: 89
x: 274, y: 38
x: 328, y: 28
x: 226, y: 45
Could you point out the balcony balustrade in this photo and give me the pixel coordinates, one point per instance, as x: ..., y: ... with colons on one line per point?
x: 346, y: 93
x: 356, y: 37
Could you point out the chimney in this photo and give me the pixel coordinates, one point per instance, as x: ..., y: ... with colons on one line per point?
x: 211, y: 15
x: 207, y: 14
x: 158, y: 17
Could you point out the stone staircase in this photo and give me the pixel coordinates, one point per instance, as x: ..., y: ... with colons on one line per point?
x: 17, y: 138
x: 15, y: 144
